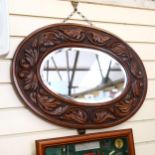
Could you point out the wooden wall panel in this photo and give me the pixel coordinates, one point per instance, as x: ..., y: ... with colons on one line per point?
x: 29, y: 24
x: 146, y: 112
x: 144, y: 50
x: 5, y: 71
x: 151, y: 88
x: 14, y: 42
x: 148, y: 66
x: 8, y: 97
x: 140, y: 130
x: 25, y: 143
x: 102, y: 13
x: 22, y: 120
x: 145, y: 148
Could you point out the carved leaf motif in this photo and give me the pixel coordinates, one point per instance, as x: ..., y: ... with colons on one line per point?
x: 75, y: 34
x: 123, y: 108
x: 97, y: 38
x: 24, y: 64
x: 31, y: 56
x: 103, y: 116
x: 76, y: 115
x: 23, y: 74
x: 120, y: 50
x: 137, y: 88
x: 45, y: 40
x: 33, y: 97
x: 49, y: 104
x: 135, y: 70
x: 131, y: 99
x: 28, y: 61
x: 49, y: 39
x: 30, y: 81
x: 59, y: 110
x: 35, y: 43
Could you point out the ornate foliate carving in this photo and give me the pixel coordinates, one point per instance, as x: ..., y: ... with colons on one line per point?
x: 66, y: 112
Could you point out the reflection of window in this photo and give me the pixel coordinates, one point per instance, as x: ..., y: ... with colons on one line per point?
x: 84, y: 74
x: 4, y: 34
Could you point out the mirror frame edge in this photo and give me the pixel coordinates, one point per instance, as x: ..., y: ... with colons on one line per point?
x: 71, y: 115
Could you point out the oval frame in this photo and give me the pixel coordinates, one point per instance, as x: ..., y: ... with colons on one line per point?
x: 65, y: 112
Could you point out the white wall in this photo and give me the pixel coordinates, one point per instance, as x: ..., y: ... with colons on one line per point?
x: 19, y: 128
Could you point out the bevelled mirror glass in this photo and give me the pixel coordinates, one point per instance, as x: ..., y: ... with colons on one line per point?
x: 78, y: 76
x: 83, y: 74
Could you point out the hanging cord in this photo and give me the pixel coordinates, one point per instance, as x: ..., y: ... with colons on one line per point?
x: 75, y: 6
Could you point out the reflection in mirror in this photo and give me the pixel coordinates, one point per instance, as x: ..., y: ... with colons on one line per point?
x: 85, y: 75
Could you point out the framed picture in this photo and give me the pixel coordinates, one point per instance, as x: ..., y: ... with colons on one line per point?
x: 118, y: 142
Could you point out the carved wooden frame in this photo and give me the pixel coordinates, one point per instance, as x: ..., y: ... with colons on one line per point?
x: 41, y: 145
x: 66, y: 112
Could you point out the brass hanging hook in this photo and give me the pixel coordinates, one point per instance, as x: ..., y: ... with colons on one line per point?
x: 75, y: 5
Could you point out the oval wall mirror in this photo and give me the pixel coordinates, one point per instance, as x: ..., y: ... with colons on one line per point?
x: 79, y: 77
x: 84, y: 75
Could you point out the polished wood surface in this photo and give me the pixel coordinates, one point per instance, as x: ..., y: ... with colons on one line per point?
x: 66, y: 112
